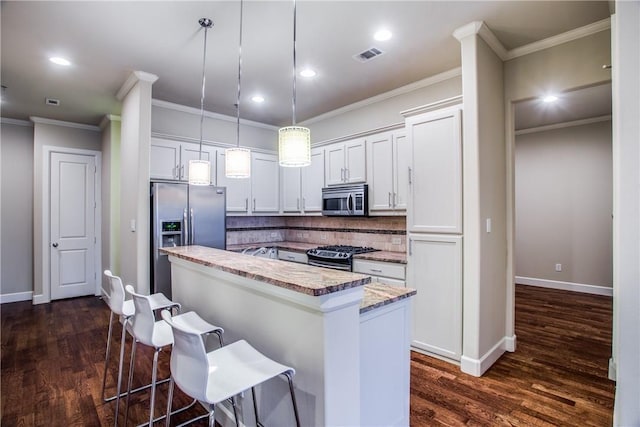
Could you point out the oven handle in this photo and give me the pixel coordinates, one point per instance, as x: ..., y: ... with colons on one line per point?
x: 337, y: 267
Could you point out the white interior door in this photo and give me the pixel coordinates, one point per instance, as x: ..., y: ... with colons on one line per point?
x: 72, y: 225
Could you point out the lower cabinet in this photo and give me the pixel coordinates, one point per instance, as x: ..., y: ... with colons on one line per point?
x: 391, y: 273
x: 434, y: 269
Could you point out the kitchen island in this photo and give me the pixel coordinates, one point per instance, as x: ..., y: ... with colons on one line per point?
x: 347, y: 339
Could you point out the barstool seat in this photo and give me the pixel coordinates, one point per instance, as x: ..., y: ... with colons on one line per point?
x: 124, y: 309
x: 215, y: 376
x: 158, y: 334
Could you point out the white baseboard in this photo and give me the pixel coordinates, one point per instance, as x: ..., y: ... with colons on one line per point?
x: 40, y: 299
x: 565, y: 286
x: 477, y: 367
x: 612, y: 369
x: 15, y: 297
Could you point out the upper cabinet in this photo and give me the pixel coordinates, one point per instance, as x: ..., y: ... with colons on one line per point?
x: 435, y: 171
x: 388, y: 172
x: 345, y: 162
x: 170, y: 159
x: 302, y: 187
x: 265, y: 183
x: 238, y: 189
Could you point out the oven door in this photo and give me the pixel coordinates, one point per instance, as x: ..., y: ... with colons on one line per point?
x: 336, y: 265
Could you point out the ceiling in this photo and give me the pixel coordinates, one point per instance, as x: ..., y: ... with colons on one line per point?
x: 107, y: 40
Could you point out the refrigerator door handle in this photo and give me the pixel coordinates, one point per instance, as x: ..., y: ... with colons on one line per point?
x: 185, y: 227
x: 193, y: 231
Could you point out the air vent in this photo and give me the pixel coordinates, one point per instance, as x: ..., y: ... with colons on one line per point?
x: 368, y: 54
x: 51, y: 101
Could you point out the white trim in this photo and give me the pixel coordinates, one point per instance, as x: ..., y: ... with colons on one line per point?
x: 438, y: 105
x: 559, y: 39
x: 446, y: 75
x: 477, y: 367
x: 366, y: 133
x: 47, y: 150
x: 564, y: 125
x: 82, y: 126
x: 107, y: 119
x: 485, y: 33
x: 16, y: 122
x: 15, y: 297
x: 510, y: 343
x: 134, y: 78
x: 214, y: 144
x: 196, y: 111
x: 613, y: 369
x: 468, y: 30
x: 565, y: 286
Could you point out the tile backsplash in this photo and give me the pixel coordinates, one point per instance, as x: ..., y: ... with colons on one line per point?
x: 384, y: 233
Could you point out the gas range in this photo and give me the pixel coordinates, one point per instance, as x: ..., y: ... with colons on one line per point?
x: 338, y: 257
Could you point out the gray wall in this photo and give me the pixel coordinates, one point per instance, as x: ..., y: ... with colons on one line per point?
x: 564, y: 204
x: 16, y: 190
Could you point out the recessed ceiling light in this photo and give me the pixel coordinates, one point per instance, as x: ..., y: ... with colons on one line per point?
x: 550, y: 98
x: 257, y: 98
x: 60, y: 61
x: 382, y: 35
x: 307, y: 72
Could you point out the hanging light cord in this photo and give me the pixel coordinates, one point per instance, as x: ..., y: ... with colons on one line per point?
x: 294, y: 64
x: 239, y: 76
x: 206, y: 23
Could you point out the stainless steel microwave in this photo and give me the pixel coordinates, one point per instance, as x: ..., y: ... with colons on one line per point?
x: 349, y: 200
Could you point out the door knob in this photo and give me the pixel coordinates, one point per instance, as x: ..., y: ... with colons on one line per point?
x: 55, y: 245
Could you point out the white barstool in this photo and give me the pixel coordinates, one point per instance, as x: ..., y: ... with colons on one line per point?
x: 215, y: 376
x: 157, y: 334
x: 124, y: 309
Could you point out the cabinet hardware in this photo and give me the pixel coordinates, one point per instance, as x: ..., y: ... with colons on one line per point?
x: 389, y: 199
x: 246, y: 204
x: 346, y: 175
x: 376, y: 270
x: 410, y: 247
x: 290, y: 257
x: 395, y: 199
x: 410, y: 175
x: 304, y: 203
x: 254, y: 203
x: 298, y: 203
x: 342, y: 174
x: 182, y: 171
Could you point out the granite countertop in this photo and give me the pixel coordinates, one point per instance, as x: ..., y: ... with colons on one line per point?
x: 289, y: 275
x: 378, y: 294
x: 384, y: 256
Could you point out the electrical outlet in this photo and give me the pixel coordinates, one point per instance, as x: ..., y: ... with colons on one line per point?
x: 396, y: 241
x: 298, y: 234
x: 558, y: 267
x: 323, y: 236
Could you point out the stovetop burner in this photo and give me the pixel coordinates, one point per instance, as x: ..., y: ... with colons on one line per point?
x: 347, y: 249
x: 337, y: 256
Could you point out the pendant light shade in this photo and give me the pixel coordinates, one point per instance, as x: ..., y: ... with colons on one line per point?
x: 294, y: 142
x: 200, y: 170
x: 237, y: 161
x: 294, y: 146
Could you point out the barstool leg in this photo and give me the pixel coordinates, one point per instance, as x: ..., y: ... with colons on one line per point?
x: 131, y: 364
x: 120, y: 364
x: 255, y: 405
x: 106, y: 357
x: 154, y: 376
x: 212, y: 416
x: 293, y: 398
x: 169, y: 401
x: 235, y: 411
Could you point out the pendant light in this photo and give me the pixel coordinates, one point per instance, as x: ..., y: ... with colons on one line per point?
x: 200, y: 170
x: 294, y: 142
x: 237, y: 161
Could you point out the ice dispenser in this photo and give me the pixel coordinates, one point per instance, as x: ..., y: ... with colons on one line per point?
x: 171, y: 234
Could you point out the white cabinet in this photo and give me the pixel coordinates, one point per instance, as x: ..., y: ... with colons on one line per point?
x: 170, y: 159
x: 435, y: 177
x: 302, y: 187
x: 388, y: 172
x: 391, y: 273
x: 238, y: 189
x: 265, y: 183
x: 345, y: 162
x: 434, y: 269
x: 299, y: 257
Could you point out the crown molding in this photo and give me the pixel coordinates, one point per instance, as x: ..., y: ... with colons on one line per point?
x: 484, y: 32
x: 196, y: 111
x: 563, y: 125
x: 559, y: 39
x: 179, y: 138
x: 82, y: 126
x: 388, y: 128
x: 387, y: 95
x: 108, y: 118
x: 135, y: 77
x: 16, y: 122
x: 449, y: 102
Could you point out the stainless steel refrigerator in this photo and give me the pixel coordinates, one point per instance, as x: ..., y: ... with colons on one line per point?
x: 183, y: 214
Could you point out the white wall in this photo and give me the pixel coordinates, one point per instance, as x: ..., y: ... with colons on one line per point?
x: 16, y: 217
x: 563, y: 182
x: 110, y: 195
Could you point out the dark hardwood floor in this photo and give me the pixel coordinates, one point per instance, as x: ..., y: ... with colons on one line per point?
x: 53, y: 355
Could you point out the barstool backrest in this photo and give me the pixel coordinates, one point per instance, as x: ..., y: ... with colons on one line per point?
x: 116, y: 293
x: 143, y: 321
x: 188, y: 360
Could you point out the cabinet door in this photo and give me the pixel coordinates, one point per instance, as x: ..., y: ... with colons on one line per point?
x: 401, y: 170
x: 238, y: 189
x: 265, y: 183
x: 434, y: 269
x: 380, y: 153
x: 313, y: 181
x: 164, y: 159
x: 355, y: 161
x: 190, y: 152
x: 291, y: 189
x: 435, y: 201
x: 334, y: 164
